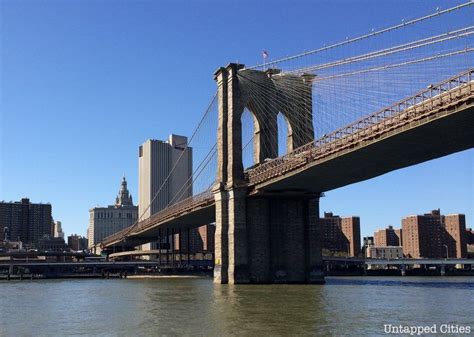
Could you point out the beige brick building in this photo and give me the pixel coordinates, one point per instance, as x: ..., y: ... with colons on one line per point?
x: 105, y: 221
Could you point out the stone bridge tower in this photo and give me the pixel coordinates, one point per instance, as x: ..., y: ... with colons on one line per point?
x: 263, y: 237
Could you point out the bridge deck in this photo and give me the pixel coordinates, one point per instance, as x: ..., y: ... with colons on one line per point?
x: 433, y: 123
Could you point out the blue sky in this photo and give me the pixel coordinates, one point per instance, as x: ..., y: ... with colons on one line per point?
x: 84, y: 83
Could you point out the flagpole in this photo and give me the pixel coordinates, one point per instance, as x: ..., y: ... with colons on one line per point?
x: 264, y: 56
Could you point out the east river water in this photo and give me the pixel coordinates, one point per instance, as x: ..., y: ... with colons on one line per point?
x: 352, y: 306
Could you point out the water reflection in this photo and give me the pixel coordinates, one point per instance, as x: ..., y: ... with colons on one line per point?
x: 197, y: 307
x: 442, y: 283
x: 272, y: 310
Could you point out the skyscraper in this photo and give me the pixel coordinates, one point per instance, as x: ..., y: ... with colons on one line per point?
x: 105, y: 221
x: 156, y: 160
x: 164, y: 176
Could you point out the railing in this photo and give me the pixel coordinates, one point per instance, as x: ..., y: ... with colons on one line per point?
x: 199, y: 200
x: 400, y: 113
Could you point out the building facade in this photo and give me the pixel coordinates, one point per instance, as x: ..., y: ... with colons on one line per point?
x: 58, y: 230
x: 340, y: 235
x: 77, y: 243
x: 51, y: 244
x: 433, y: 235
x: 455, y: 235
x: 388, y: 237
x: 390, y: 252
x: 25, y: 221
x: 105, y: 221
x: 367, y: 241
x: 158, y: 188
x: 156, y: 159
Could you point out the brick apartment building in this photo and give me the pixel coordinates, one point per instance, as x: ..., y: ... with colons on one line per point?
x: 25, y: 221
x: 433, y: 235
x: 340, y: 235
x: 388, y: 237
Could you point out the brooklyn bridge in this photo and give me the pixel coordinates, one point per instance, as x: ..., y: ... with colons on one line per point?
x: 277, y: 135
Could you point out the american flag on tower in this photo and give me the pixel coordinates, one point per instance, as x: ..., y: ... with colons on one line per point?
x: 265, y: 54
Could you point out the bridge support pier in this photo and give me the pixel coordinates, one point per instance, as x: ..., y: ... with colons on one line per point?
x: 269, y: 240
x: 263, y: 238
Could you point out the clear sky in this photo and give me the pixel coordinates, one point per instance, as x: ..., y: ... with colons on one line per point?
x: 84, y: 83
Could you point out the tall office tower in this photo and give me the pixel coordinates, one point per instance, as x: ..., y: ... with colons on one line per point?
x: 156, y: 160
x: 164, y: 176
x: 25, y: 221
x: 105, y: 221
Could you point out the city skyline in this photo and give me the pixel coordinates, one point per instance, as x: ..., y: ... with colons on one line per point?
x: 69, y: 167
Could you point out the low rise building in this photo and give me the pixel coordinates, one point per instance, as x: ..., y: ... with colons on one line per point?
x: 385, y: 252
x: 52, y: 244
x: 77, y: 243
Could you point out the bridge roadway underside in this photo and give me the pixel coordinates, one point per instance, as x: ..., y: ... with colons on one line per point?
x: 441, y: 134
x: 194, y: 219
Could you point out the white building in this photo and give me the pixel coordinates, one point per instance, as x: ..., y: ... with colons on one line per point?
x: 387, y: 252
x: 157, y: 189
x: 58, y: 230
x: 105, y: 221
x: 156, y: 159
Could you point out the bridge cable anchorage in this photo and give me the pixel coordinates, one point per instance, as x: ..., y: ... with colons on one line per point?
x: 404, y: 24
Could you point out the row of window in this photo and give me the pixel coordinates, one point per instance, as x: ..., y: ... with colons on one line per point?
x: 109, y: 215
